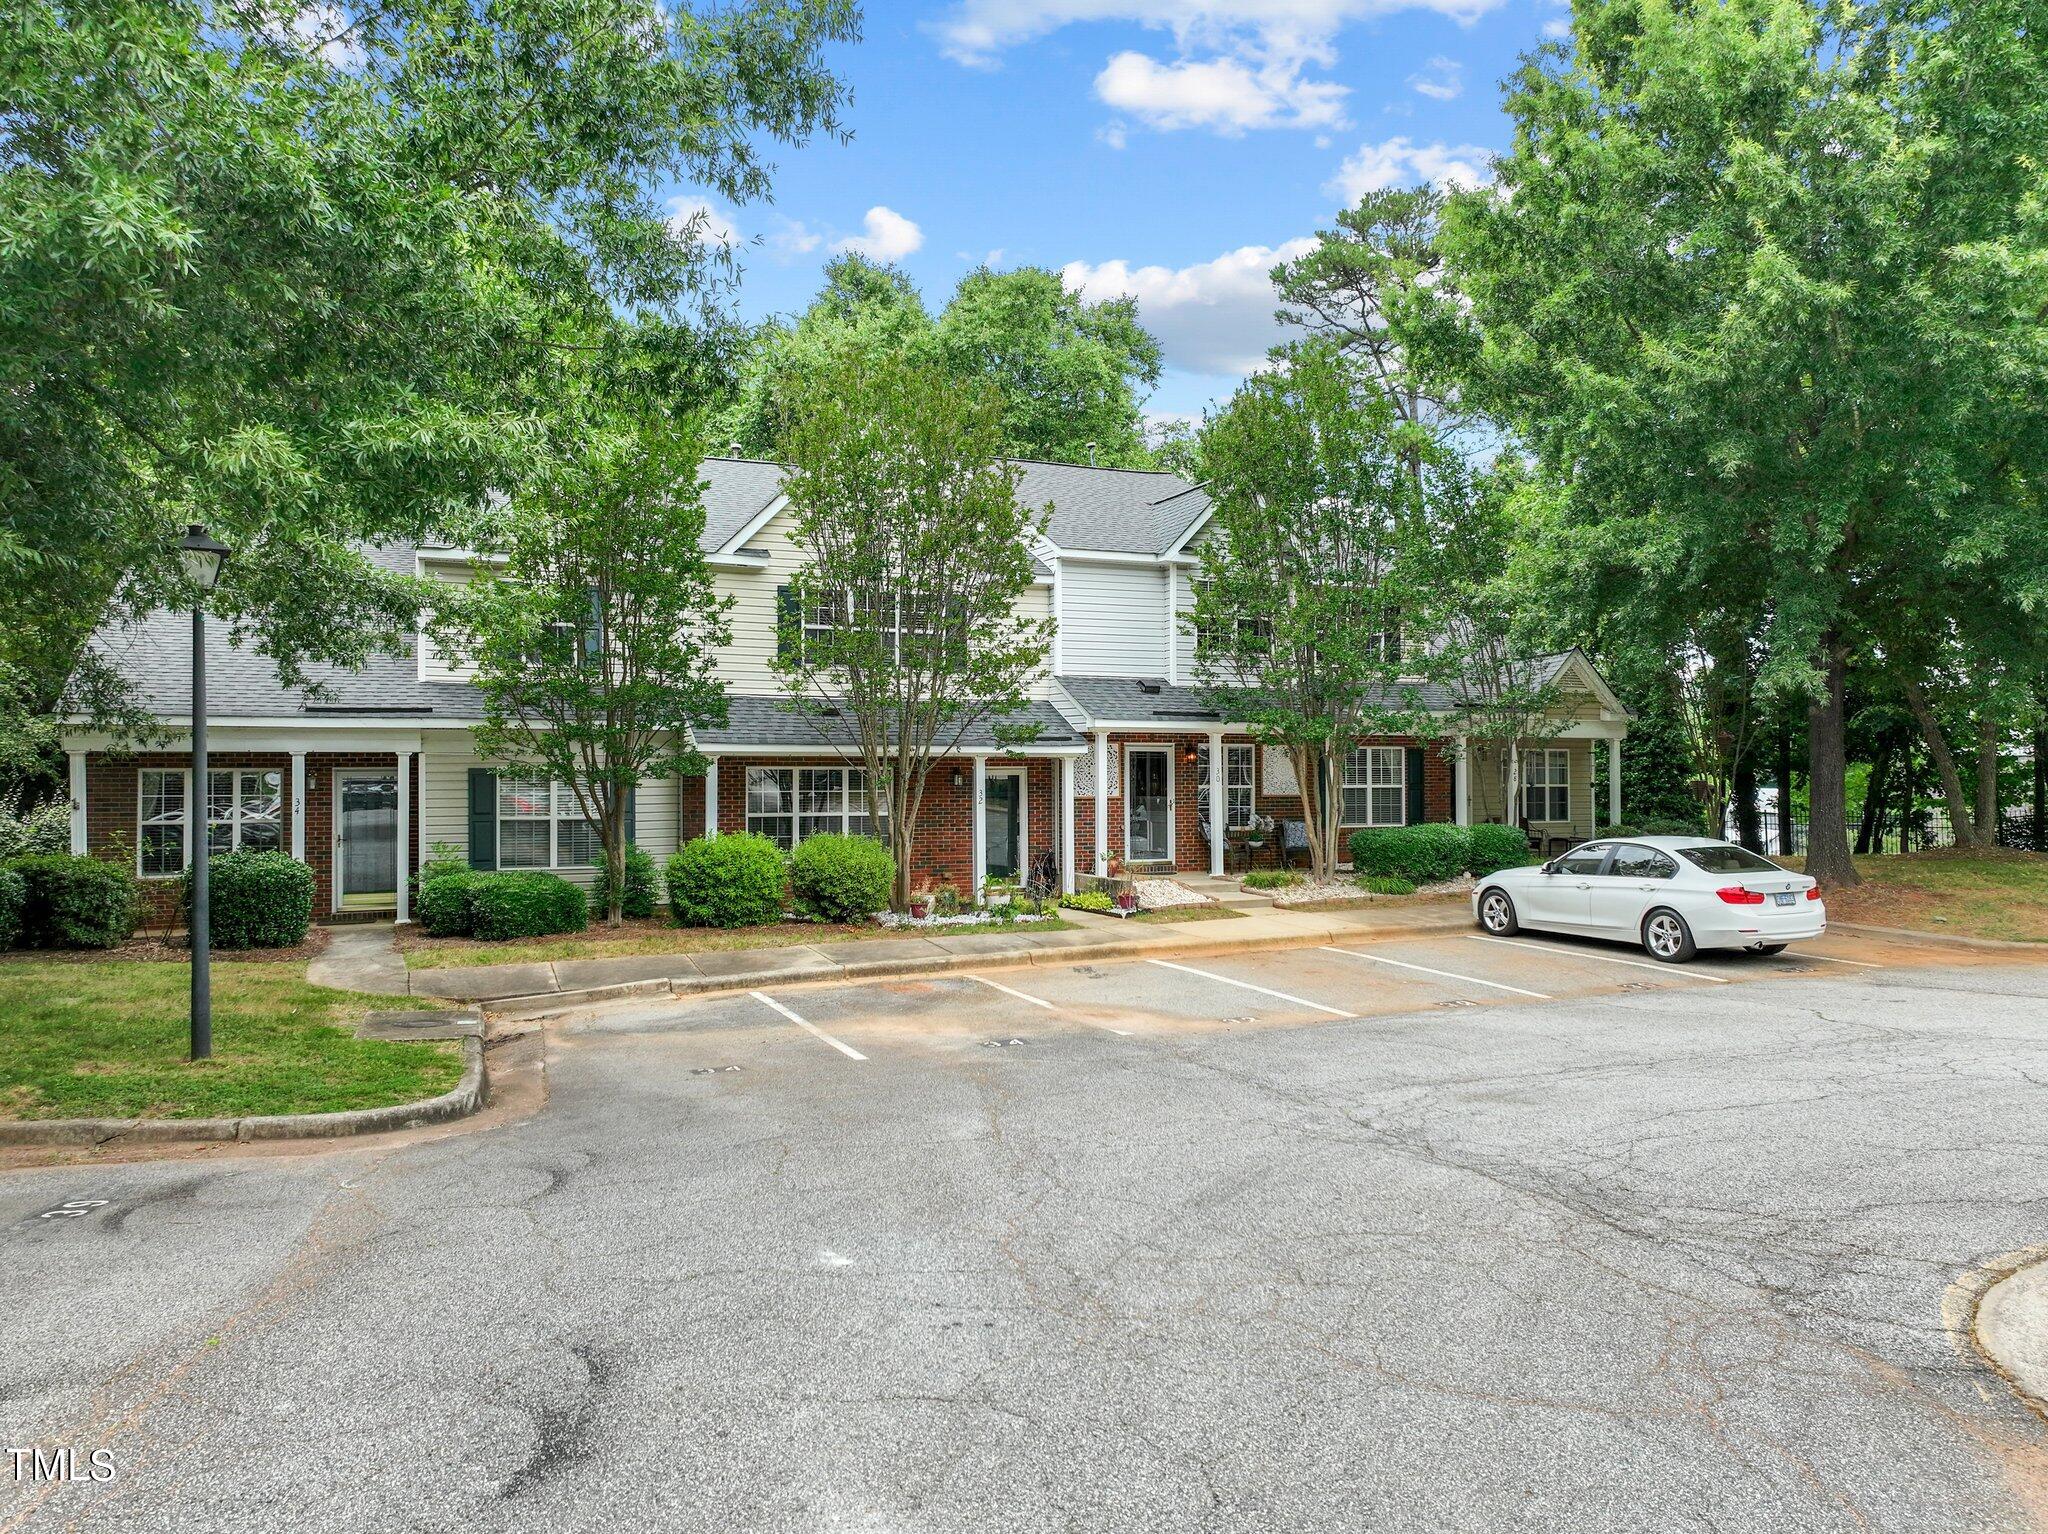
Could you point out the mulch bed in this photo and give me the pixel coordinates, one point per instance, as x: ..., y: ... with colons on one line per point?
x: 161, y: 948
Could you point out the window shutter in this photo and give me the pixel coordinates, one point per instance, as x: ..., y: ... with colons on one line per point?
x: 1415, y: 810
x: 786, y: 623
x: 483, y: 818
x: 632, y: 814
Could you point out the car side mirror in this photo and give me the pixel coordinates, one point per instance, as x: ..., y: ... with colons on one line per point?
x: 1550, y: 868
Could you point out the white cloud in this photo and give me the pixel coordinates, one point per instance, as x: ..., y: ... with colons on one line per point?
x: 1113, y: 134
x: 1214, y: 317
x: 1399, y: 162
x: 793, y: 239
x: 1441, y: 79
x: 1228, y: 95
x: 693, y: 218
x: 323, y: 30
x: 1559, y: 28
x: 977, y: 31
x: 886, y: 236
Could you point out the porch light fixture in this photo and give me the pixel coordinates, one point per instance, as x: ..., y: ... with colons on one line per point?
x: 202, y: 555
x: 959, y: 778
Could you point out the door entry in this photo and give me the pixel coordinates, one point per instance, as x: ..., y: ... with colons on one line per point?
x: 1003, y: 826
x: 367, y: 839
x: 1151, y: 806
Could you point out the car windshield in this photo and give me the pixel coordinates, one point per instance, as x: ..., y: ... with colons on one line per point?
x: 1724, y: 859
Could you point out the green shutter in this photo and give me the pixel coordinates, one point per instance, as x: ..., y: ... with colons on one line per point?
x: 632, y: 814
x: 1416, y: 814
x: 787, y: 623
x: 483, y: 818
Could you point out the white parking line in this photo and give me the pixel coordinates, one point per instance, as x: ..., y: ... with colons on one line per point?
x: 1442, y: 974
x: 1601, y: 958
x: 811, y: 1028
x: 1246, y: 985
x: 1040, y: 1001
x: 1830, y: 959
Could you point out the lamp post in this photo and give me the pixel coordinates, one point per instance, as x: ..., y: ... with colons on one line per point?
x: 202, y: 557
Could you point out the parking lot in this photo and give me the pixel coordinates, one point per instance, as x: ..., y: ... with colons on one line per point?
x: 1432, y: 1233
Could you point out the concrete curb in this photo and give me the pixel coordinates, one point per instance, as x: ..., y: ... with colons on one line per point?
x: 2010, y: 1328
x: 1938, y: 939
x: 546, y: 1004
x: 463, y: 1099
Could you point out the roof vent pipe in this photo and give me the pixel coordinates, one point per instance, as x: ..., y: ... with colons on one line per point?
x: 1091, y: 455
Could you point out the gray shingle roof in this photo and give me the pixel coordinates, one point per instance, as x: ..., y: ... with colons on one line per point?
x: 759, y: 721
x: 1115, y: 510
x: 735, y: 491
x: 1156, y: 699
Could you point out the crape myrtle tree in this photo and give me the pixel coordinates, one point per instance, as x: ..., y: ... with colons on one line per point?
x: 1760, y: 283
x: 308, y: 274
x: 900, y: 633
x: 1306, y: 572
x: 594, y: 627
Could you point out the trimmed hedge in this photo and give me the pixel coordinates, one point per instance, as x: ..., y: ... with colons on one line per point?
x: 1425, y: 854
x: 443, y: 904
x: 841, y: 878
x: 75, y: 902
x: 726, y: 881
x: 255, y: 900
x: 1491, y: 848
x: 13, y: 891
x: 524, y: 904
x: 643, y: 887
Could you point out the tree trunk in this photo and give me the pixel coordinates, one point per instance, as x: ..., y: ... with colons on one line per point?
x: 1827, y: 767
x: 1987, y: 780
x: 1749, y: 828
x: 1512, y: 803
x: 1944, y: 765
x: 1788, y: 844
x: 614, y: 840
x: 1870, y: 826
x: 2041, y: 779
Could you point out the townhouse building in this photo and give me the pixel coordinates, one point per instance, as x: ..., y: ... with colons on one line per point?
x: 365, y: 775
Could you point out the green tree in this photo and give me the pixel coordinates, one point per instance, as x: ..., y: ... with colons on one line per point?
x: 1307, y: 573
x: 595, y: 629
x: 1761, y: 284
x: 312, y: 276
x: 901, y: 626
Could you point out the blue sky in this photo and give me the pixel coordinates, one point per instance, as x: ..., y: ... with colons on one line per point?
x: 1166, y: 148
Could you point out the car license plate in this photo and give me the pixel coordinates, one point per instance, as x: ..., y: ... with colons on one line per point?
x: 1787, y: 898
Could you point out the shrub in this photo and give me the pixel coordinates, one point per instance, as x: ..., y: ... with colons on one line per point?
x: 841, y: 878
x: 1423, y: 854
x: 1670, y: 827
x: 726, y: 881
x: 1495, y: 847
x: 75, y: 902
x: 255, y: 900
x: 1088, y: 900
x: 1270, y: 879
x: 38, y: 832
x: 12, y: 891
x: 1623, y: 830
x: 526, y: 904
x: 643, y: 887
x: 1379, y: 885
x: 443, y: 906
x: 443, y: 859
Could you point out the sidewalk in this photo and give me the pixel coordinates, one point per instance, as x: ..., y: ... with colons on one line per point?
x: 364, y: 958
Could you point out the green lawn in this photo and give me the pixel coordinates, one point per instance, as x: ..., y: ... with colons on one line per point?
x: 1978, y: 894
x: 109, y: 1039
x: 656, y: 936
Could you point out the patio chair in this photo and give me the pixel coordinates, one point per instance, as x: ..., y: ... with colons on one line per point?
x: 1293, y: 839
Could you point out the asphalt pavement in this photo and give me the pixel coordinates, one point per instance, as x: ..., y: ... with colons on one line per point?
x: 1434, y: 1233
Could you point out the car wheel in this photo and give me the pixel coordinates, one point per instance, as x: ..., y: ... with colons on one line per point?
x: 1497, y: 914
x: 1768, y: 948
x: 1667, y: 937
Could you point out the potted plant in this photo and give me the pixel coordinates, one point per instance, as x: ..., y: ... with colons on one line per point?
x: 1255, y: 834
x: 920, y: 903
x: 1127, y: 901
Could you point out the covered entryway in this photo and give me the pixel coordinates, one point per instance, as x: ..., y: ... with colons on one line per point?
x: 1004, y: 836
x: 1148, y: 806
x: 365, y: 840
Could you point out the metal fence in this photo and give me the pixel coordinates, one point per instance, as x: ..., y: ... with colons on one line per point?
x: 1926, y: 828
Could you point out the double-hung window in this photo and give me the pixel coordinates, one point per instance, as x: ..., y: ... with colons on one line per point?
x: 540, y: 825
x: 787, y: 804
x: 244, y: 813
x: 1376, y: 786
x: 1547, y: 787
x: 1237, y: 785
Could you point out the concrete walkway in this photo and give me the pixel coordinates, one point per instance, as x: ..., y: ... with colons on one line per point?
x: 365, y: 958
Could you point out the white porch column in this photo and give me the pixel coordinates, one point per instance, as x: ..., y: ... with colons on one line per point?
x: 77, y: 763
x: 1461, y: 782
x: 404, y: 836
x: 711, y: 799
x: 1614, y: 780
x: 298, y: 793
x: 1067, y: 809
x: 1101, y: 803
x: 1216, y: 815
x: 977, y: 811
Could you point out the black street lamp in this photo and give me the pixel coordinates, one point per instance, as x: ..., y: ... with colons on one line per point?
x: 202, y: 557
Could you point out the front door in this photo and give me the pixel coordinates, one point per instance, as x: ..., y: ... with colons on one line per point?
x: 366, y: 840
x: 1003, y: 826
x: 1150, y: 806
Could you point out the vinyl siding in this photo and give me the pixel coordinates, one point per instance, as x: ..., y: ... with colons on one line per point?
x: 434, y: 666
x: 444, y: 803
x: 1486, y: 786
x: 1114, y: 623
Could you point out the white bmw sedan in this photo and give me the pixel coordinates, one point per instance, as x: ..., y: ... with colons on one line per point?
x: 1673, y: 894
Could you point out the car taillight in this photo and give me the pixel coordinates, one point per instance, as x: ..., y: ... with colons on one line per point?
x: 1735, y: 894
x: 1813, y: 893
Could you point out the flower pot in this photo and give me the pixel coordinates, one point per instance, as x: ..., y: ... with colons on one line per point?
x: 920, y: 909
x: 1127, y: 900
